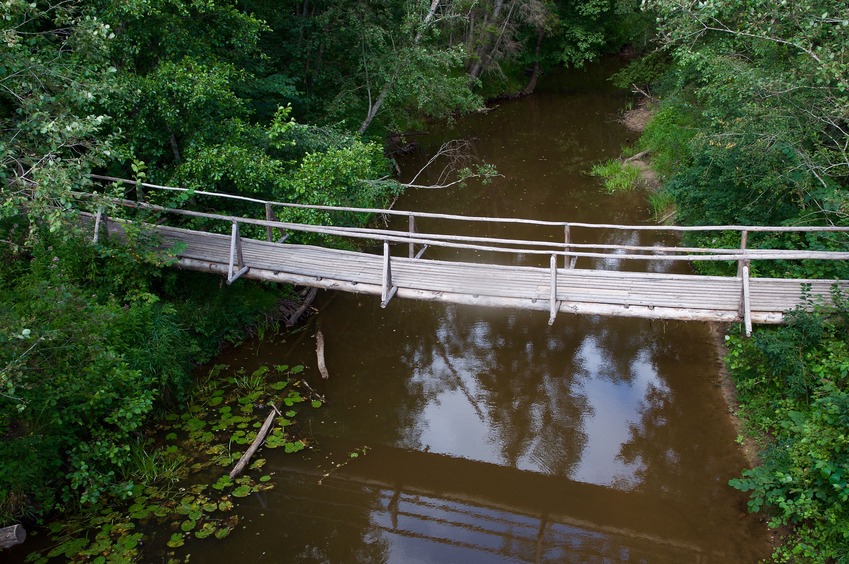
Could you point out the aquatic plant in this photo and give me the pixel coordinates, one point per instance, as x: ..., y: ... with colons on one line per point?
x: 617, y: 176
x: 180, y: 492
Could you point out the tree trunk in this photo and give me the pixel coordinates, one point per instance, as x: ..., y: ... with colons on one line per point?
x: 372, y: 111
x: 384, y: 92
x: 175, y: 148
x: 485, y: 42
x: 10, y: 536
x: 532, y: 82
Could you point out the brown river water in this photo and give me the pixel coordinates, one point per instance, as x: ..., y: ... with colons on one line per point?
x: 491, y: 436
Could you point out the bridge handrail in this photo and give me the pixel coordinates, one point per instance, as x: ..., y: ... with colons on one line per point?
x: 469, y: 242
x: 409, y: 213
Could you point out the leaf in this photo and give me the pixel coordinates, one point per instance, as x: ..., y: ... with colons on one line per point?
x: 241, y: 491
x: 176, y: 540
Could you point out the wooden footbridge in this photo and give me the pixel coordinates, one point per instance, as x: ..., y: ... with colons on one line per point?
x: 553, y: 273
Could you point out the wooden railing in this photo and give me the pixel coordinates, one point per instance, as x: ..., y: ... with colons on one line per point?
x: 568, y: 249
x: 559, y: 245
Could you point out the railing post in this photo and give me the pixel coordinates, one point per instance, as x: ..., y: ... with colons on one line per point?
x: 412, y: 222
x: 553, y: 304
x: 745, y: 303
x: 269, y: 216
x: 744, y: 238
x: 97, y: 219
x: 387, y: 290
x: 235, y: 254
x: 568, y: 260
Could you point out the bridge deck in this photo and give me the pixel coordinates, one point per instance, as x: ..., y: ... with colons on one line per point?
x: 631, y: 294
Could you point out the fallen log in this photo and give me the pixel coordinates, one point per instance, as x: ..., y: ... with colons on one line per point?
x: 260, y: 437
x: 304, y: 305
x: 639, y: 155
x: 319, y: 353
x: 10, y: 536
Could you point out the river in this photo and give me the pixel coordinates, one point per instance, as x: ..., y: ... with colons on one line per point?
x: 488, y: 436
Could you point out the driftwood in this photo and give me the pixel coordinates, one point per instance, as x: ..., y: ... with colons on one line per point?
x: 304, y: 306
x: 10, y: 536
x: 319, y: 353
x: 639, y: 155
x: 260, y: 437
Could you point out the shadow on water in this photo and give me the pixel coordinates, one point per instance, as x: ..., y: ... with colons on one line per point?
x: 492, y: 436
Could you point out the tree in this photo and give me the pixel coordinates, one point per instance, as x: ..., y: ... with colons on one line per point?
x: 771, y: 82
x: 52, y: 69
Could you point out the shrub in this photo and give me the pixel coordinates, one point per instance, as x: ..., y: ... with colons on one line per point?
x: 92, y: 342
x: 793, y: 384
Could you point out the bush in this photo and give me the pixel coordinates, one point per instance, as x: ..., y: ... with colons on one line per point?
x: 91, y: 344
x: 793, y: 385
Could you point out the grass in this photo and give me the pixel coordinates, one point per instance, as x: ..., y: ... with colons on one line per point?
x: 617, y: 176
x: 662, y: 204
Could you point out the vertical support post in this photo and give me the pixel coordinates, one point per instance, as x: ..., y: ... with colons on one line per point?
x: 567, y: 237
x: 553, y: 304
x: 744, y: 238
x: 745, y: 301
x: 234, y: 233
x: 388, y: 290
x: 412, y: 221
x: 235, y: 254
x: 97, y: 225
x: 269, y: 216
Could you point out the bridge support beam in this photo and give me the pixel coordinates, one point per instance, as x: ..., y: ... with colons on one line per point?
x: 553, y: 304
x: 100, y: 216
x: 235, y: 253
x: 745, y: 301
x: 387, y: 291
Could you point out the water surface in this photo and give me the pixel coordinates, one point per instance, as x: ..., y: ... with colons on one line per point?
x: 491, y: 436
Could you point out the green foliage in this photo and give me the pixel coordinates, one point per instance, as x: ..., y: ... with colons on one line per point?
x: 644, y: 72
x: 662, y: 204
x: 765, y: 94
x: 617, y: 176
x: 793, y: 383
x: 51, y: 69
x: 668, y: 136
x: 87, y: 352
x: 172, y: 464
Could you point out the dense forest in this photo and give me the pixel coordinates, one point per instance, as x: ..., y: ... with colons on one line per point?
x: 294, y: 101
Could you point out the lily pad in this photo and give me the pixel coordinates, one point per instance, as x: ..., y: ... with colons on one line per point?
x: 176, y: 540
x: 195, y: 424
x: 188, y: 525
x: 242, y: 491
x: 206, y: 530
x: 223, y: 482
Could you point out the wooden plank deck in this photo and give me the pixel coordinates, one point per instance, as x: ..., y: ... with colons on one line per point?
x: 580, y: 291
